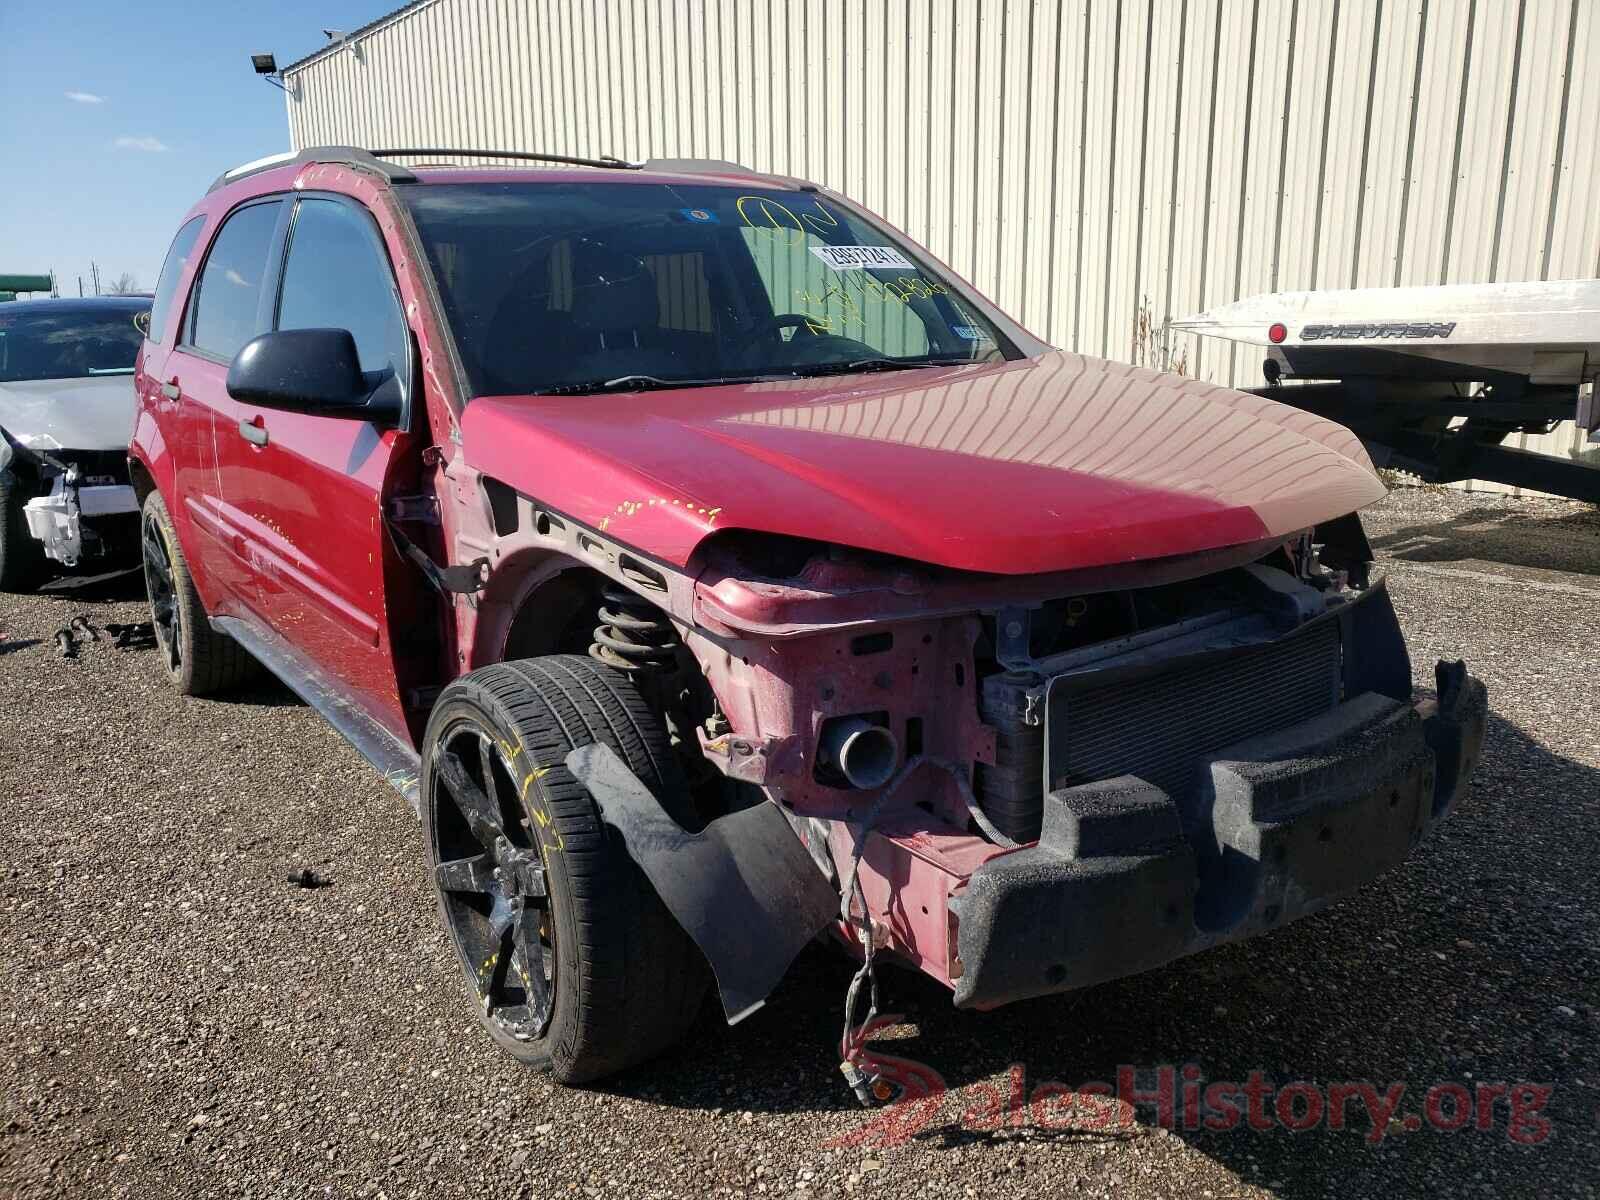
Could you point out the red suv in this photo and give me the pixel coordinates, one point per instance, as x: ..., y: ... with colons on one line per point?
x: 714, y: 569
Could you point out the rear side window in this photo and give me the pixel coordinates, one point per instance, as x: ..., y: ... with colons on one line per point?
x: 227, y: 298
x: 337, y: 277
x: 171, y: 272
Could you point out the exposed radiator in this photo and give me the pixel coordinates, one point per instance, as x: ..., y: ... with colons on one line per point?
x: 1158, y: 726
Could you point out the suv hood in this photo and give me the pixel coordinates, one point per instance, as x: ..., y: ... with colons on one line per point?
x: 1022, y: 467
x: 69, y: 414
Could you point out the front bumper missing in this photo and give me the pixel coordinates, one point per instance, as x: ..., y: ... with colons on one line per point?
x: 1122, y: 880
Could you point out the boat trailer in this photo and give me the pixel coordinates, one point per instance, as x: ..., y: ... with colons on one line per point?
x: 1434, y: 380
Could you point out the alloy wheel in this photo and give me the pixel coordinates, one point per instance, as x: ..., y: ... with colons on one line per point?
x: 492, y: 882
x: 166, y: 614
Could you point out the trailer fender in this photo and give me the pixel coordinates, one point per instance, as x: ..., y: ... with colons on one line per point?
x: 744, y: 888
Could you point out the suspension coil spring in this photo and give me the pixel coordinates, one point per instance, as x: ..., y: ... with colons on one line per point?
x: 633, y: 634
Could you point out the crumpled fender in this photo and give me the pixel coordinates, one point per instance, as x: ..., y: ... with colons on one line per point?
x: 744, y: 887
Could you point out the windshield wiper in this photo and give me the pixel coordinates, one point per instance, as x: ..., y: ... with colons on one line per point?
x: 638, y: 383
x: 651, y: 383
x: 879, y: 364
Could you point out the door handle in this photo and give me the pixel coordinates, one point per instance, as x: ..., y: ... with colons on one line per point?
x: 253, y: 431
x: 170, y: 389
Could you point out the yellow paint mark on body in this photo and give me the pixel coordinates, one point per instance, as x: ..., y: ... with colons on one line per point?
x: 630, y: 508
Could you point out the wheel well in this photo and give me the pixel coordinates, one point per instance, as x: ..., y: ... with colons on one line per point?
x: 141, y: 479
x: 557, y: 617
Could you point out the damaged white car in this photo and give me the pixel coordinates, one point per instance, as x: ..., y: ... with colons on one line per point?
x: 66, y: 409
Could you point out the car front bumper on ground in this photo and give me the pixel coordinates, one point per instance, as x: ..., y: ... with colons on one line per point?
x: 1122, y: 880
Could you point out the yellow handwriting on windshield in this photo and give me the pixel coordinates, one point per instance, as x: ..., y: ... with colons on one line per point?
x: 770, y: 217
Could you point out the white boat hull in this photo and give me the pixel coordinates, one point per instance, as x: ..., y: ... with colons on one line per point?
x: 1548, y: 331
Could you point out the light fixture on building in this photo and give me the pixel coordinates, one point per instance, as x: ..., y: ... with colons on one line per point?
x: 266, y: 66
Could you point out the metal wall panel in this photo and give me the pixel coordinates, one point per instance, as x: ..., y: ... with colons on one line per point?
x: 1097, y: 166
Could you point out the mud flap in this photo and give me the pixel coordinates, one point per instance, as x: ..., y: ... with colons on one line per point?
x: 744, y: 888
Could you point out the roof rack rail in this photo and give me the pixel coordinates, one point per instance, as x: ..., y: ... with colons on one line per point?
x: 353, y: 156
x: 605, y: 160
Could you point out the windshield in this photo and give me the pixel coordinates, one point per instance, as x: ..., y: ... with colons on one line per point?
x: 69, y: 343
x: 569, y: 287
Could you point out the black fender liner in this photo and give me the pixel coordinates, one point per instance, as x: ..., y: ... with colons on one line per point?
x: 744, y: 887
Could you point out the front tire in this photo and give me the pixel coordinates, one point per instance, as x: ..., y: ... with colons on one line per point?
x: 199, y: 660
x: 22, y: 560
x: 573, y: 963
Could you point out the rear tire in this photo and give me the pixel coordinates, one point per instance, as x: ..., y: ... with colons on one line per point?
x: 619, y: 981
x: 200, y: 660
x: 22, y: 559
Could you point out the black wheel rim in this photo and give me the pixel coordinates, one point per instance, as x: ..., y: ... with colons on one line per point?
x: 491, y: 879
x: 164, y: 611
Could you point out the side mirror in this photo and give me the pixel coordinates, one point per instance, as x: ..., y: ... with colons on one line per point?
x: 315, y: 371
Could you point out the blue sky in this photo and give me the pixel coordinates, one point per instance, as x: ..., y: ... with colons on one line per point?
x: 117, y: 117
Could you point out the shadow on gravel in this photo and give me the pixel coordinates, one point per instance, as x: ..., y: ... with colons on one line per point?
x: 953, y: 1135
x: 108, y: 587
x: 1475, y: 962
x: 265, y: 691
x: 1505, y: 534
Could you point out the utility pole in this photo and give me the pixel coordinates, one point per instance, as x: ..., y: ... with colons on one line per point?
x: 94, y: 274
x: 80, y: 287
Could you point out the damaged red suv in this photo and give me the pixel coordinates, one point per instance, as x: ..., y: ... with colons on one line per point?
x: 714, y: 570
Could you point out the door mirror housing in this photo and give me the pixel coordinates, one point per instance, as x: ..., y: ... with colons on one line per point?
x: 314, y: 371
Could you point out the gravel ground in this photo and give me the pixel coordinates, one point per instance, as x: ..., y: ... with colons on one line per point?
x: 178, y: 1020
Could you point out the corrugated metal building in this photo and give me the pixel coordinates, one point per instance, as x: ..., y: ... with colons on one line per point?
x: 1096, y: 166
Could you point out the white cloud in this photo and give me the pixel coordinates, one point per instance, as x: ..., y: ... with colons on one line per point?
x: 148, y: 144
x: 86, y: 98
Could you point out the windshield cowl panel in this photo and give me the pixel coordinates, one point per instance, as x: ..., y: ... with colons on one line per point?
x: 564, y: 287
x: 652, y: 383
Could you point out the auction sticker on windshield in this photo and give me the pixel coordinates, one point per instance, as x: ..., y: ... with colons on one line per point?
x: 853, y: 258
